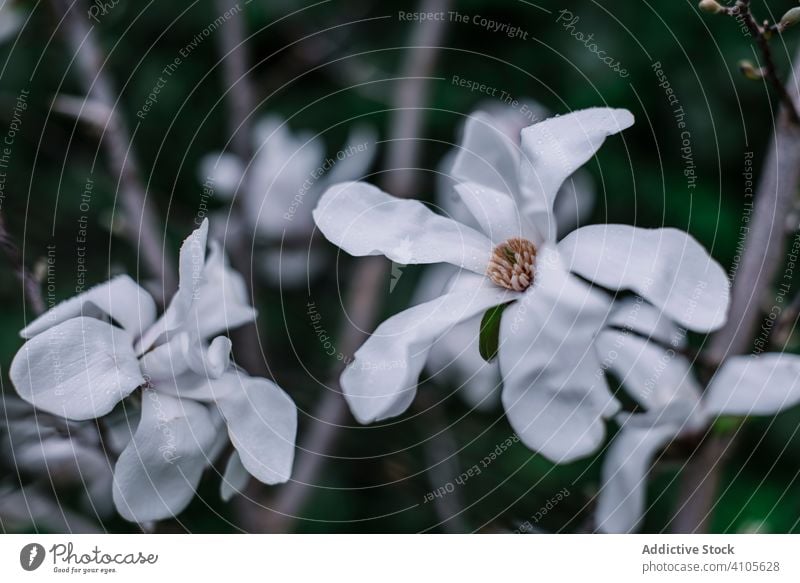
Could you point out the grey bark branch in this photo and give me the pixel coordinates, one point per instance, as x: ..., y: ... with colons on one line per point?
x: 31, y: 289
x: 143, y: 228
x: 764, y: 253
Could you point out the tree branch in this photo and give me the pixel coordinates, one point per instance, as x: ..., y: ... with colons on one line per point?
x: 763, y: 255
x: 143, y: 228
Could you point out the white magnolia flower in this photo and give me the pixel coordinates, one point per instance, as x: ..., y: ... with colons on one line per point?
x: 280, y: 187
x: 455, y: 356
x: 88, y: 353
x: 61, y: 452
x: 552, y: 391
x: 660, y: 379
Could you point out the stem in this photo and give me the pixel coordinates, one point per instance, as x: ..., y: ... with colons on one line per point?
x: 371, y: 274
x: 31, y: 290
x: 763, y: 255
x: 143, y: 228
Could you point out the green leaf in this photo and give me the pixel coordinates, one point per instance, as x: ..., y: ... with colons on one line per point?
x: 490, y: 332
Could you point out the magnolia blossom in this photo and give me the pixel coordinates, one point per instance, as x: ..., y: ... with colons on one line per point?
x: 280, y: 187
x: 553, y: 392
x: 89, y: 353
x: 455, y: 356
x: 643, y: 349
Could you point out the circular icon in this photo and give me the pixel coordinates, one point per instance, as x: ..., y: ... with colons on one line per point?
x: 31, y: 556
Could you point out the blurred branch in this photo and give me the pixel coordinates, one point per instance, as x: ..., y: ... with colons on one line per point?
x: 441, y: 457
x: 31, y: 289
x: 371, y: 274
x: 142, y: 225
x: 240, y: 101
x: 764, y: 253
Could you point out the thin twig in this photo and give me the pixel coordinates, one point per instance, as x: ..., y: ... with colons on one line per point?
x: 762, y: 257
x: 762, y: 33
x: 143, y: 228
x: 371, y: 274
x: 31, y: 289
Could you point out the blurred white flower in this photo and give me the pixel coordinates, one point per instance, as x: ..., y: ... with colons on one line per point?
x: 553, y: 392
x: 455, y: 356
x: 12, y: 17
x: 88, y: 353
x: 643, y: 349
x: 280, y: 187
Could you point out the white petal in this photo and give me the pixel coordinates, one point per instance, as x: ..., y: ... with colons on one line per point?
x: 622, y: 498
x: 554, y: 393
x: 487, y: 156
x: 157, y: 474
x: 633, y: 313
x: 381, y: 382
x: 223, y: 172
x: 554, y: 149
x: 653, y: 376
x: 222, y: 303
x: 262, y: 424
x: 235, y: 478
x: 363, y: 220
x: 191, y: 263
x: 496, y: 213
x: 119, y: 298
x: 78, y: 369
x: 755, y: 385
x: 665, y: 266
x: 456, y: 358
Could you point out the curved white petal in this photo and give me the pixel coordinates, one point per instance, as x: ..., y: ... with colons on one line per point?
x: 554, y: 393
x: 223, y: 172
x: 79, y: 369
x: 120, y: 298
x: 755, y: 385
x: 157, y: 474
x: 622, y: 497
x: 557, y: 147
x: 235, y: 478
x: 496, y: 213
x: 363, y: 220
x: 637, y: 315
x: 455, y: 357
x: 653, y: 375
x: 665, y: 266
x: 262, y: 424
x: 222, y: 302
x: 381, y: 382
x: 487, y: 156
